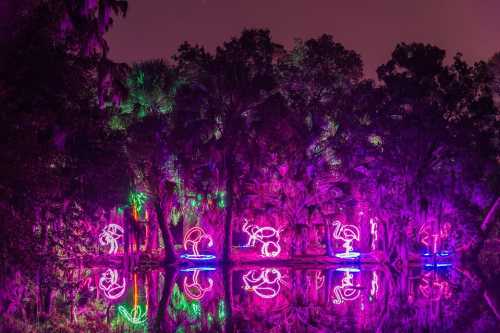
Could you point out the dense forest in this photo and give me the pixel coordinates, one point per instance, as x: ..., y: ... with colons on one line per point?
x: 250, y: 135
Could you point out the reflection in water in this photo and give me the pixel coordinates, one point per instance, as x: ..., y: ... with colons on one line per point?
x: 195, y: 290
x: 110, y: 286
x: 346, y: 291
x: 266, y: 284
x: 282, y: 299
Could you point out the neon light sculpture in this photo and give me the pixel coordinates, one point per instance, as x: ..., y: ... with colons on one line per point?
x: 136, y: 316
x: 192, y: 239
x: 346, y: 291
x: 374, y: 288
x: 269, y: 237
x: 109, y: 236
x: 266, y: 284
x: 319, y: 279
x: 348, y: 233
x: 108, y: 283
x: 431, y: 239
x: 433, y: 287
x: 194, y: 290
x: 374, y: 232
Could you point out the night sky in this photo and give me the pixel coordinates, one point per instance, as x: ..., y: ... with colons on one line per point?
x: 155, y: 28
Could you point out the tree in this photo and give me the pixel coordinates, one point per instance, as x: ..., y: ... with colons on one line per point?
x: 219, y: 105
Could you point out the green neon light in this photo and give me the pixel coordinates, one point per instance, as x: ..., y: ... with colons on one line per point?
x: 134, y: 315
x: 180, y: 303
x: 221, y: 311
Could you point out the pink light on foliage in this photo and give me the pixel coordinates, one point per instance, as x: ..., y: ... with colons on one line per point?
x: 347, y: 233
x: 108, y: 283
x: 110, y: 235
x: 267, y: 284
x: 269, y: 238
x: 195, y: 290
x: 346, y: 291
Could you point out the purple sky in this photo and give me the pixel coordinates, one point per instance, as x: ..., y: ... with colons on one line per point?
x: 155, y: 28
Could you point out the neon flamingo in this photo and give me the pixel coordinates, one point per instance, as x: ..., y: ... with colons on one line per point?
x: 348, y: 233
x: 109, y: 236
x: 193, y: 238
x: 430, y: 239
x: 269, y: 237
x: 195, y: 290
x: 108, y: 283
x: 433, y: 287
x: 346, y: 291
x: 266, y: 284
x: 319, y: 279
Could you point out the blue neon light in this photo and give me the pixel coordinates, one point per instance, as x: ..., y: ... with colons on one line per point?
x: 193, y: 269
x: 198, y: 257
x: 348, y: 269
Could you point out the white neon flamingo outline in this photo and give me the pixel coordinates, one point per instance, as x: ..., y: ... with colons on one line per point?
x: 347, y: 233
x: 260, y: 283
x: 108, y: 283
x: 346, y: 291
x: 109, y: 236
x: 260, y: 234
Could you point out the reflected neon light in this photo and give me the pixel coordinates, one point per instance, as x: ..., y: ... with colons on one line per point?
x: 346, y: 291
x: 110, y: 235
x: 192, y: 240
x: 108, y: 283
x: 269, y: 237
x: 195, y: 290
x: 433, y: 287
x: 319, y: 279
x: 438, y: 265
x: 136, y: 316
x: 192, y: 269
x: 347, y: 233
x: 374, y: 232
x: 348, y: 269
x: 266, y: 284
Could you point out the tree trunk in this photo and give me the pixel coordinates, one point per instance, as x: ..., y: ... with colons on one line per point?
x: 228, y: 299
x: 161, y: 324
x: 228, y: 225
x: 166, y: 235
x: 329, y: 249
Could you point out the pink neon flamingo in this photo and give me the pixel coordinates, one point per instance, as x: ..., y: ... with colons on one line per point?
x: 348, y: 233
x: 193, y: 238
x: 195, y: 290
x: 430, y: 239
x: 433, y: 287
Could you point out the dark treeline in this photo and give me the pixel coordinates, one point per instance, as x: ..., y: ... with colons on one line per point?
x: 295, y: 135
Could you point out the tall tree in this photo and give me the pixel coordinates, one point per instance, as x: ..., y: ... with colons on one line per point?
x: 218, y: 106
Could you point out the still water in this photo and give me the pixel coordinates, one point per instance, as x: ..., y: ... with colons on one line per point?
x: 310, y: 298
